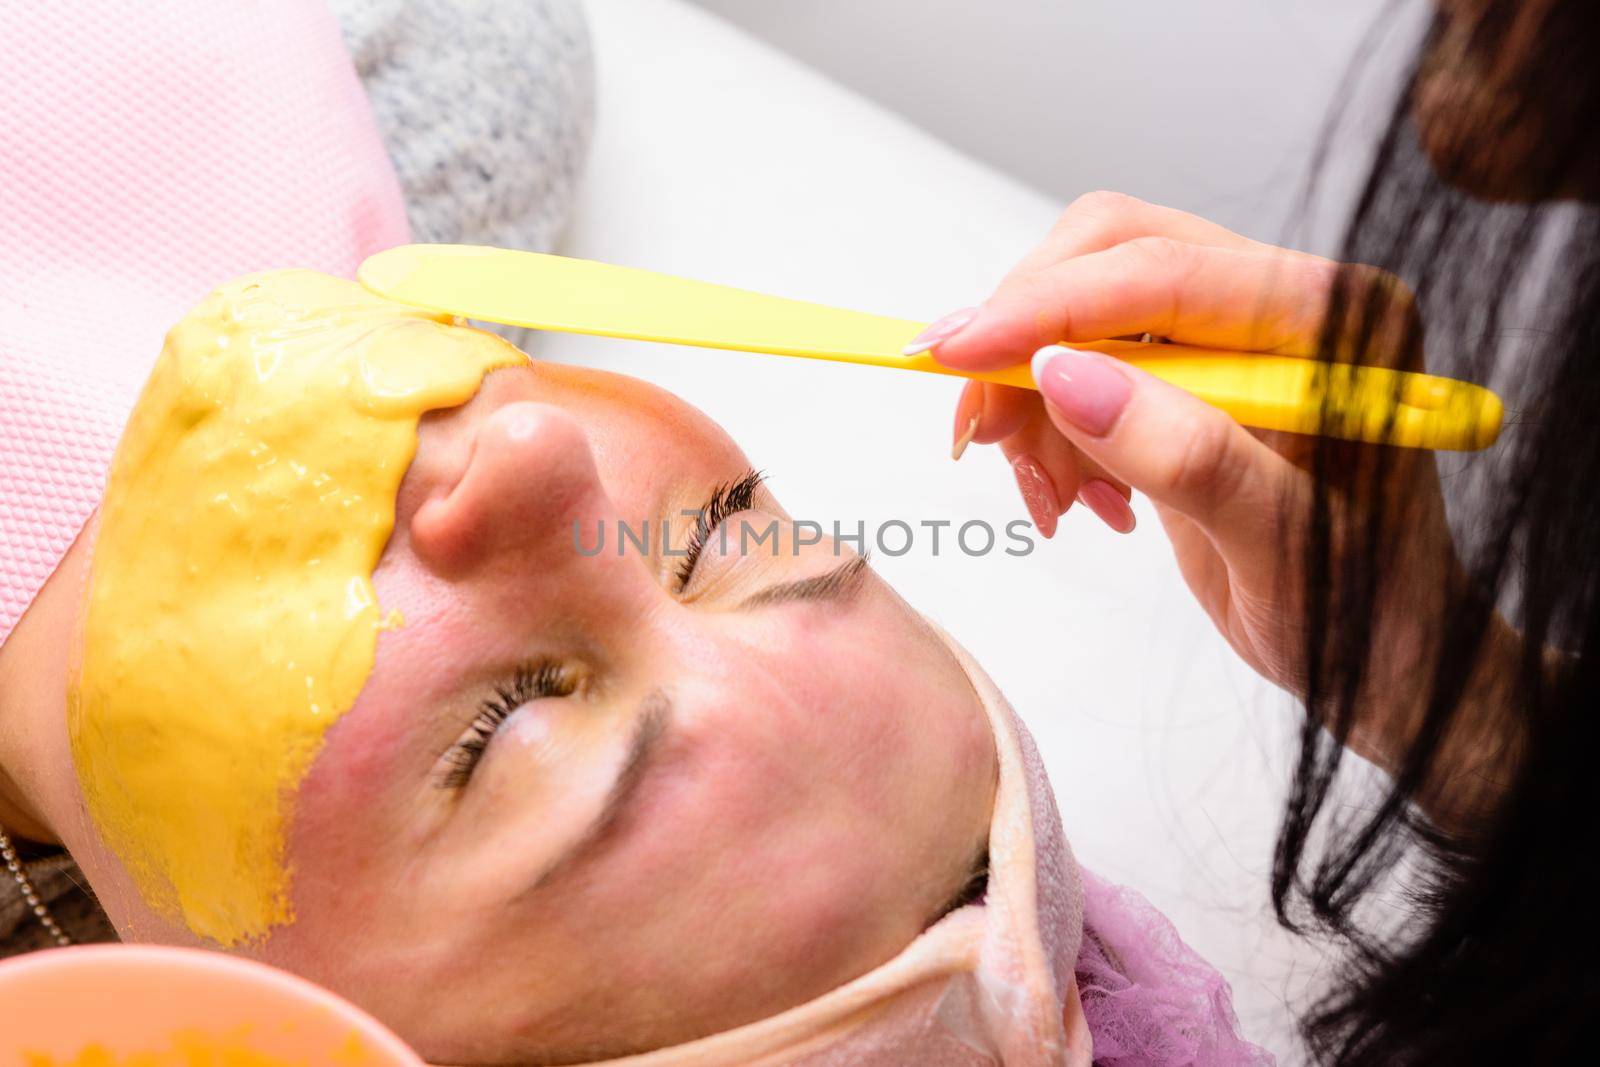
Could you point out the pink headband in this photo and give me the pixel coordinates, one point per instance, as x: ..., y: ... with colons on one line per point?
x: 150, y: 151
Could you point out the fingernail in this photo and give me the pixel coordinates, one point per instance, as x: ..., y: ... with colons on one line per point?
x: 1038, y: 493
x: 968, y: 410
x: 1102, y: 498
x: 1086, y: 387
x: 942, y: 330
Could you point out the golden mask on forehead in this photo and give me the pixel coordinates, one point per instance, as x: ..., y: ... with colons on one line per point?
x: 230, y: 615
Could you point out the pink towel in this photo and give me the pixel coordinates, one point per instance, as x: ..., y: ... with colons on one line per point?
x: 147, y: 152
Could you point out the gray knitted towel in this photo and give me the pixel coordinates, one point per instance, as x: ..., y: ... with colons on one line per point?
x: 486, y: 107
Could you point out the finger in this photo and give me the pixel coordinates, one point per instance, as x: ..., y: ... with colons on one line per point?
x: 1046, y: 467
x: 1116, y: 484
x: 1245, y: 299
x: 969, y: 412
x: 1093, y: 223
x: 1203, y: 570
x: 1069, y: 475
x: 1110, y: 503
x: 986, y: 413
x: 1176, y: 449
x: 1006, y: 409
x: 1099, y: 220
x: 1104, y: 494
x: 1016, y: 418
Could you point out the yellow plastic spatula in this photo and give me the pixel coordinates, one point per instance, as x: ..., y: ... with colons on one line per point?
x: 580, y: 296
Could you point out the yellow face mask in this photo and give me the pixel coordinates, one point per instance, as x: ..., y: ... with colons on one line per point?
x: 231, y: 617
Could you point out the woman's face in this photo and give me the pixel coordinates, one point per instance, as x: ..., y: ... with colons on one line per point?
x: 596, y: 802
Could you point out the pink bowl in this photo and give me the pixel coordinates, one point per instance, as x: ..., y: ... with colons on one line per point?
x: 179, y: 1006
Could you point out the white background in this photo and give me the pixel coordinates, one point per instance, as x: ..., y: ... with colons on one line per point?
x: 1213, y: 106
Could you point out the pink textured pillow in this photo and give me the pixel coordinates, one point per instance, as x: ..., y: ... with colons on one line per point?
x: 147, y: 152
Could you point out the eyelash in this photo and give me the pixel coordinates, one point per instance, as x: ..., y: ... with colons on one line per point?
x: 726, y: 500
x: 976, y: 890
x: 533, y: 681
x: 549, y: 678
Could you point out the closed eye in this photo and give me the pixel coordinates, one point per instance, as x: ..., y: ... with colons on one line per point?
x: 972, y: 891
x: 726, y: 500
x: 530, y: 682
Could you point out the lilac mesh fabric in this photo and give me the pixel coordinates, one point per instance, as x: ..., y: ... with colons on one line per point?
x: 149, y: 151
x: 1150, y: 1001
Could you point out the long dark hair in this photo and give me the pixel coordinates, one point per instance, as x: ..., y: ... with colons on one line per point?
x: 1475, y: 200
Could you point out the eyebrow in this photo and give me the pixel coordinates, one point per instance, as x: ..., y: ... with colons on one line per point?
x: 650, y: 726
x: 832, y: 585
x: 656, y: 710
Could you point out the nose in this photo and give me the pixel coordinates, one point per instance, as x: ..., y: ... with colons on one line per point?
x: 529, y: 477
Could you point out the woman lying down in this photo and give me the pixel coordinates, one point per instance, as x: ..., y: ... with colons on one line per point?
x: 336, y: 679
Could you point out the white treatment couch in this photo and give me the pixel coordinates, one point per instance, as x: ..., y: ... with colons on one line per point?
x: 721, y: 158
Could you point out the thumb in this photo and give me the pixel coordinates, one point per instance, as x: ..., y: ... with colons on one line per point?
x: 1175, y: 448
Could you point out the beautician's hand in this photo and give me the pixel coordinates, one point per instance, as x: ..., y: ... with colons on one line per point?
x: 1234, y: 503
x: 1116, y: 267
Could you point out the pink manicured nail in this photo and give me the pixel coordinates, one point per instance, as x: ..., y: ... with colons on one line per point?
x: 1102, y: 498
x: 1038, y: 493
x: 1086, y: 387
x: 942, y: 330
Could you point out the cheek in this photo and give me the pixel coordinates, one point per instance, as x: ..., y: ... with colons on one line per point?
x: 365, y: 751
x: 338, y: 842
x: 362, y: 752
x: 359, y: 756
x: 355, y: 811
x: 869, y: 727
x: 800, y: 791
x: 887, y: 738
x: 762, y: 863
